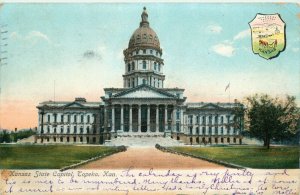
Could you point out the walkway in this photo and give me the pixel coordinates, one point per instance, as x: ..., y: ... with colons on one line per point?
x: 146, y: 158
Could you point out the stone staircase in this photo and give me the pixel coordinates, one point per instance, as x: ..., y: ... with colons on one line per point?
x: 143, y: 141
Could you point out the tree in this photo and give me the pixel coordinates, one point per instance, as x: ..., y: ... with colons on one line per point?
x: 270, y: 118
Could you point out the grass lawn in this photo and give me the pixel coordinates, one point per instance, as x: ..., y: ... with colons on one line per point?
x: 47, y: 156
x: 249, y: 156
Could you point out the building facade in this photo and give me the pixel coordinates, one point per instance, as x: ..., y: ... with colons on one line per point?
x: 142, y: 108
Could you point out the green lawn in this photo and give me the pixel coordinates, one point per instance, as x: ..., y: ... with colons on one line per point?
x: 249, y: 156
x: 47, y: 156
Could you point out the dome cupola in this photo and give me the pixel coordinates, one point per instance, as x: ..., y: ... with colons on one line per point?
x: 143, y: 62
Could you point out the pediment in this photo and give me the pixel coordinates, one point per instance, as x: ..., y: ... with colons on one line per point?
x: 211, y: 106
x: 144, y: 91
x: 74, y: 105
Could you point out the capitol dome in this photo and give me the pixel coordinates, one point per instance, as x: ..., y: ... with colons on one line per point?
x: 144, y: 36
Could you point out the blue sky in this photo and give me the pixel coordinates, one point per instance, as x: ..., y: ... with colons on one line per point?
x: 205, y: 46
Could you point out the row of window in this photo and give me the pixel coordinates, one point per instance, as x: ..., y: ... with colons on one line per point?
x: 61, y: 139
x: 144, y: 51
x: 210, y: 118
x: 68, y: 130
x: 155, y: 83
x: 131, y: 67
x: 209, y: 131
x: 62, y: 118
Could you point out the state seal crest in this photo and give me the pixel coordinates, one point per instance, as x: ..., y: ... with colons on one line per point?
x: 267, y: 35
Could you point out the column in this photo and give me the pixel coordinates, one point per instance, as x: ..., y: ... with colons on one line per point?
x: 130, y: 118
x: 181, y: 120
x: 105, y: 118
x: 139, y: 119
x: 157, y: 118
x: 112, y: 118
x: 173, y: 128
x: 148, y: 118
x: 122, y: 117
x: 166, y: 117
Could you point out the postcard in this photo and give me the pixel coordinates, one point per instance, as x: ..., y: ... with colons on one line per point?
x: 149, y: 97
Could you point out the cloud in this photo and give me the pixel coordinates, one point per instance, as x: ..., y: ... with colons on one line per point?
x: 90, y: 54
x: 215, y: 29
x: 32, y: 37
x: 241, y: 35
x: 224, y: 49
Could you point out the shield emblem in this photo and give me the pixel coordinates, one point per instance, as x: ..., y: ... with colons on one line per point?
x: 268, y: 35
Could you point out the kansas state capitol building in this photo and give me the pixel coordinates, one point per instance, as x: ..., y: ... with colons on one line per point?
x: 142, y: 109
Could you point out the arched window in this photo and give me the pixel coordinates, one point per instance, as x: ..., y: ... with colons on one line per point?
x: 144, y: 64
x: 216, y: 120
x: 88, y: 118
x: 128, y: 67
x: 81, y: 118
x: 62, y: 118
x: 222, y: 120
x: 155, y: 65
x: 48, y: 118
x: 75, y: 118
x: 132, y: 64
x: 210, y: 119
x: 203, y: 120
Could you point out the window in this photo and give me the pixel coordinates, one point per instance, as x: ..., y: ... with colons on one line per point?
x: 177, y: 127
x: 158, y: 67
x: 209, y: 131
x: 177, y: 114
x: 88, y: 118
x: 155, y: 65
x: 54, y: 139
x: 68, y: 129
x: 69, y: 118
x: 81, y: 139
x: 128, y: 67
x: 74, y: 139
x: 55, y: 117
x: 87, y: 130
x: 191, y: 130
x: 144, y: 81
x: 203, y: 120
x: 68, y: 139
x: 81, y: 118
x: 132, y: 64
x: 216, y: 130
x: 54, y: 130
x: 151, y: 51
x: 61, y: 139
x: 48, y: 129
x: 144, y: 64
x: 158, y: 83
x: 62, y: 118
x: 222, y: 120
x: 144, y: 51
x: 81, y: 129
x: 210, y: 119
x: 61, y: 129
x: 157, y: 53
x: 75, y: 118
x: 203, y: 130
x: 128, y: 81
x: 197, y: 119
x: 216, y: 120
x: 197, y: 130
x: 222, y: 130
x: 75, y: 129
x: 48, y: 118
x: 228, y: 119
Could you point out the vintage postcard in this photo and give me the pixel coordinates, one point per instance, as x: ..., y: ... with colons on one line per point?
x: 152, y: 98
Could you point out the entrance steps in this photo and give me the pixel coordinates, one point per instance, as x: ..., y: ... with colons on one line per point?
x: 143, y: 141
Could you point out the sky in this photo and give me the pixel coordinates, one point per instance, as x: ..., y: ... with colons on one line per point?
x: 78, y: 48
